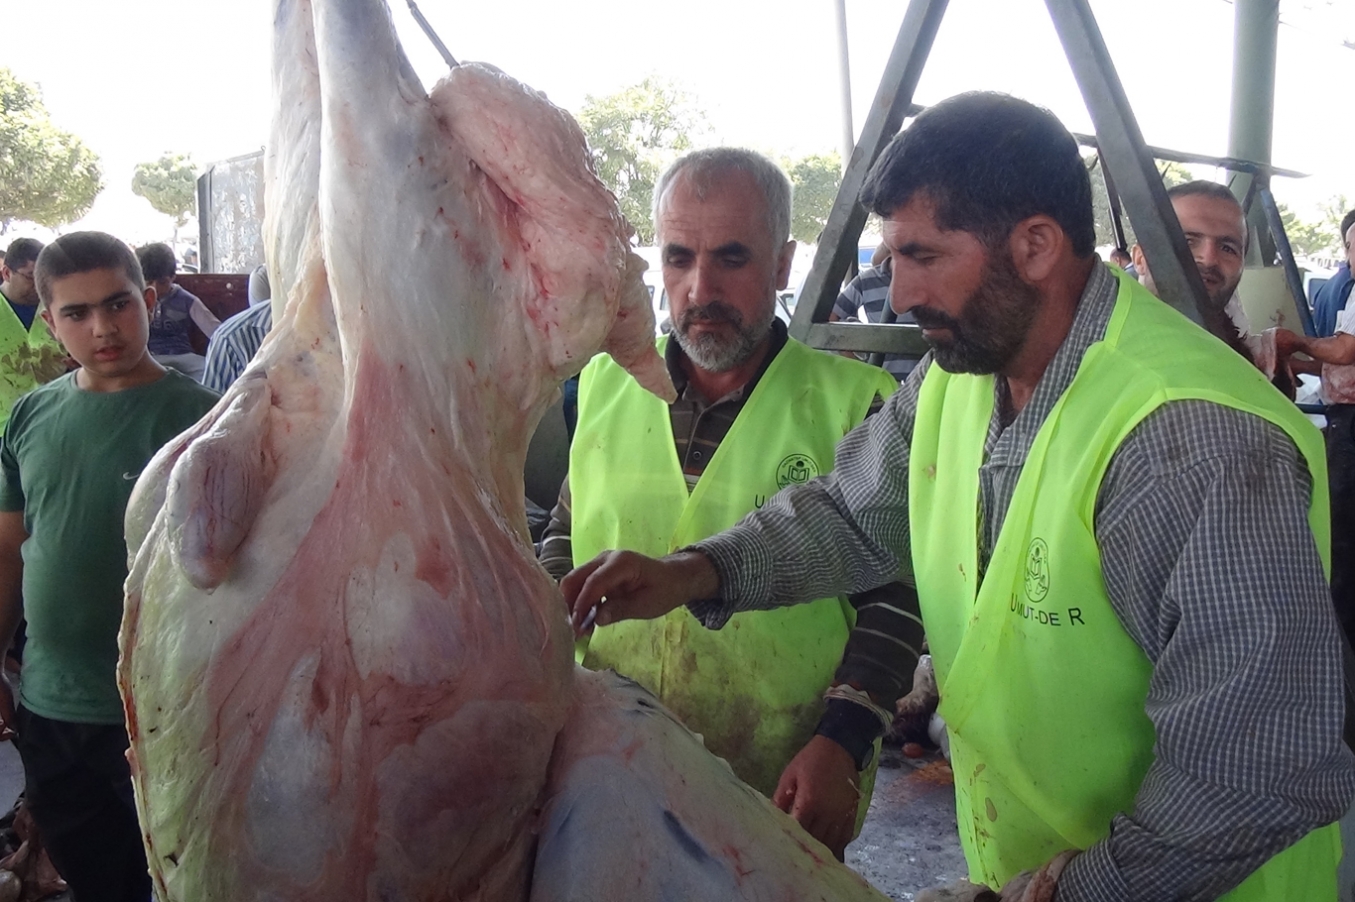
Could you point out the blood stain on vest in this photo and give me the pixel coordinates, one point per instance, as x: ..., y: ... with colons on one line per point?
x: 992, y: 809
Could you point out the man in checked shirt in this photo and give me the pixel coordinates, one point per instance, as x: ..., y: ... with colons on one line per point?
x: 756, y: 410
x: 1117, y: 530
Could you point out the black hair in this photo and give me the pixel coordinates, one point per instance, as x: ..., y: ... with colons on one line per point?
x: 84, y: 252
x: 1204, y: 188
x: 22, y: 251
x: 1346, y: 222
x: 157, y: 261
x: 987, y: 160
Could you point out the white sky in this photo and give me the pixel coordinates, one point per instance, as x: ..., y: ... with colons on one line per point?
x: 138, y: 78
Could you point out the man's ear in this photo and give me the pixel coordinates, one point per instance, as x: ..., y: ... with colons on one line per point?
x: 1140, y: 262
x: 5, y: 273
x: 149, y: 296
x: 1037, y: 243
x: 783, y: 265
x: 47, y: 318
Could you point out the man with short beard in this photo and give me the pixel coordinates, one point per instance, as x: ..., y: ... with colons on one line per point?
x: 1117, y: 531
x: 774, y: 694
x: 1215, y: 227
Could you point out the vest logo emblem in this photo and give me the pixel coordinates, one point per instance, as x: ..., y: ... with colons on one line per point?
x: 796, y: 469
x: 1037, y: 570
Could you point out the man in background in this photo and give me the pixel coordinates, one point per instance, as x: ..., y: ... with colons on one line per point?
x: 1331, y: 298
x: 236, y: 341
x: 29, y: 355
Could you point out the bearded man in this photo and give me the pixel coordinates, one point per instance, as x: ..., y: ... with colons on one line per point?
x: 1118, y: 532
x: 775, y: 695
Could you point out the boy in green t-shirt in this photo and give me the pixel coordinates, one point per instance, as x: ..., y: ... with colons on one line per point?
x: 72, y: 451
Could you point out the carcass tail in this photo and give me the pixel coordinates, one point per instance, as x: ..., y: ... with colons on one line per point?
x: 631, y: 339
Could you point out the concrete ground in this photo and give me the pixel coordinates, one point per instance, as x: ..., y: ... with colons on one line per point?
x: 909, y: 840
x: 11, y: 776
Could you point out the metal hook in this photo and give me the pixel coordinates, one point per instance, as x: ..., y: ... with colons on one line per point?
x: 432, y: 35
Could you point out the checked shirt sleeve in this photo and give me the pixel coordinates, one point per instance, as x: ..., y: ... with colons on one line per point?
x: 1211, y: 567
x: 844, y: 532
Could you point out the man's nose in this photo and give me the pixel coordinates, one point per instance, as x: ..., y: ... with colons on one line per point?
x: 1207, y: 252
x: 105, y: 323
x: 903, y: 297
x: 704, y: 284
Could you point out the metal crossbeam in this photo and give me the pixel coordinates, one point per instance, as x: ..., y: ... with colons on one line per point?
x: 1128, y: 162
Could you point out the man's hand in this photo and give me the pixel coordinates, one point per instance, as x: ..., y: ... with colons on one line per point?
x: 1039, y: 885
x: 1288, y: 342
x: 623, y: 585
x: 960, y: 891
x: 821, y: 789
x: 8, y: 721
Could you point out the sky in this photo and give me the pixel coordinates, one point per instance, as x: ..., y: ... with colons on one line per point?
x: 139, y: 78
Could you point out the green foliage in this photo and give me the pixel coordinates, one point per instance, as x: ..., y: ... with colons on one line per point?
x: 816, y: 179
x: 170, y: 184
x: 1316, y: 238
x: 1173, y: 174
x: 632, y: 135
x: 47, y: 176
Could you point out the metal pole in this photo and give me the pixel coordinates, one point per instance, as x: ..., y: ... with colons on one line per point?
x: 844, y: 64
x: 844, y: 67
x: 1256, y: 29
x: 1291, y: 271
x: 1125, y: 156
x: 837, y: 244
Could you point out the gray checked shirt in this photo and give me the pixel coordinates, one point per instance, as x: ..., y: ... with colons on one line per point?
x: 1211, y: 568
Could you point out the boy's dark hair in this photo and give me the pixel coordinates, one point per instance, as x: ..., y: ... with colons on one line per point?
x: 1346, y: 222
x: 157, y: 261
x: 988, y: 161
x: 84, y: 252
x: 22, y: 251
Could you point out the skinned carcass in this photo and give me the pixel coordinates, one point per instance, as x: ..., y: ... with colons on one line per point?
x: 345, y: 676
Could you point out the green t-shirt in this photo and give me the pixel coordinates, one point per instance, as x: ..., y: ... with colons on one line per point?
x: 69, y: 461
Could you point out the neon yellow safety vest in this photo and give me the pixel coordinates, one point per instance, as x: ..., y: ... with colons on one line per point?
x: 1042, y: 689
x: 28, y: 358
x: 754, y: 688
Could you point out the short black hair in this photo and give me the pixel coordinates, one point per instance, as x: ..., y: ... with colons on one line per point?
x: 1204, y: 188
x: 987, y: 160
x: 157, y: 261
x: 84, y: 252
x: 22, y: 251
x: 1346, y: 222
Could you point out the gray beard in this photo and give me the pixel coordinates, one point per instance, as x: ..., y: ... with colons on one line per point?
x: 717, y: 353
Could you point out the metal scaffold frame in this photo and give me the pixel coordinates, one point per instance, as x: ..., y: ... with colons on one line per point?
x: 1129, y: 164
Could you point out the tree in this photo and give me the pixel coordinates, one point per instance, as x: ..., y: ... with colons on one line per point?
x: 170, y: 184
x: 632, y: 135
x: 47, y: 176
x: 816, y: 179
x: 1173, y: 174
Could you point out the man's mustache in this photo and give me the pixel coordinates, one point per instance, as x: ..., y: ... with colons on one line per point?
x: 928, y: 318
x: 1211, y: 272
x: 714, y: 312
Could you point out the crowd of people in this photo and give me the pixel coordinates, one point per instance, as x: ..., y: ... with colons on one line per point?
x: 1111, y: 531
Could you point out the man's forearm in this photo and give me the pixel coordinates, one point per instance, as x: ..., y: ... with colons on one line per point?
x: 1339, y: 350
x: 11, y: 596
